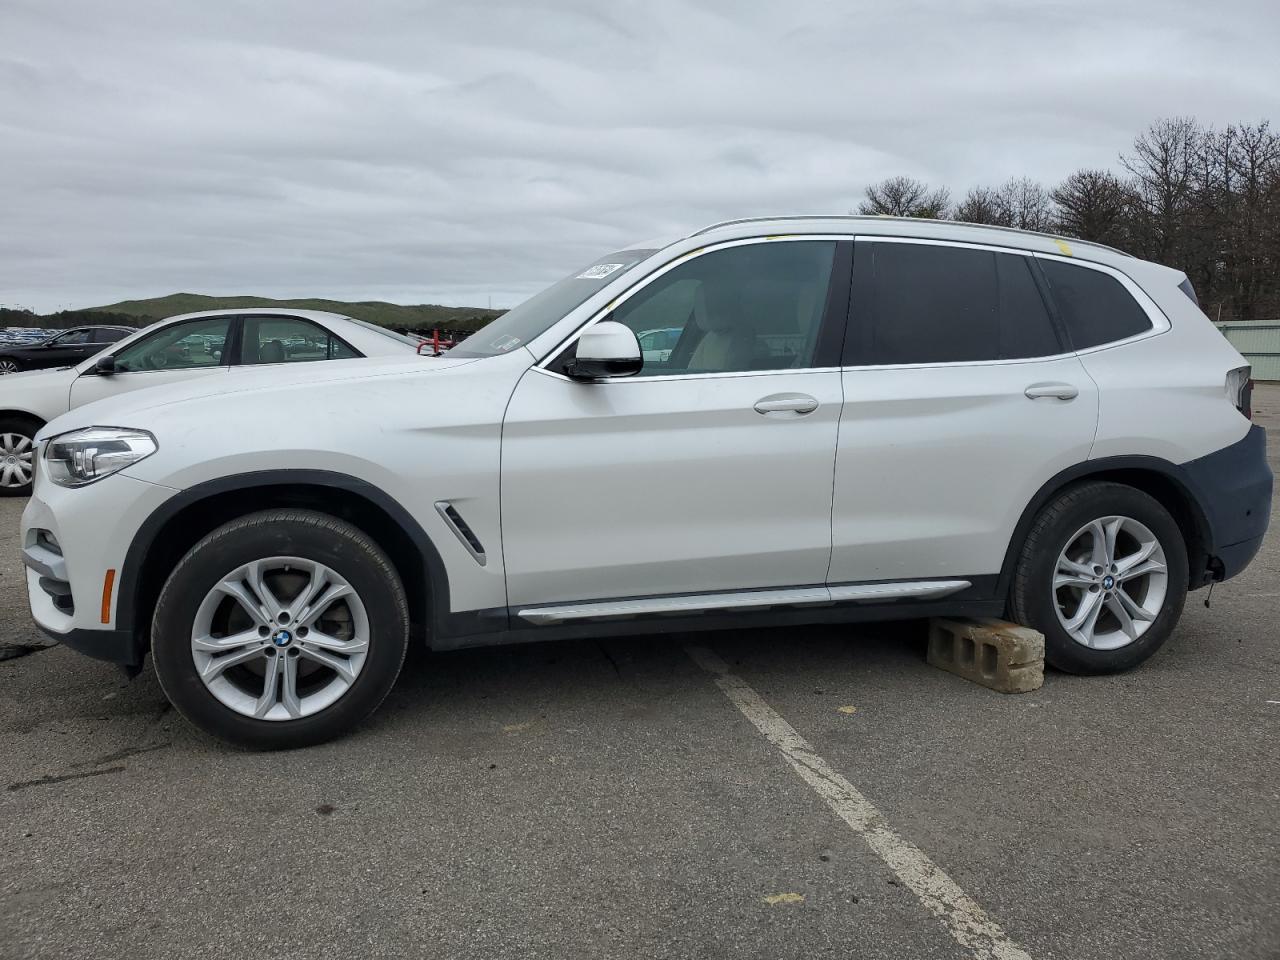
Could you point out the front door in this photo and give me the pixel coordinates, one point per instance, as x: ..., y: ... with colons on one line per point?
x: 180, y: 351
x: 711, y: 470
x: 67, y: 349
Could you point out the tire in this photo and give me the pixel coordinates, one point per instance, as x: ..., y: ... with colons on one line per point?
x: 285, y: 550
x: 17, y: 455
x: 9, y: 365
x: 1056, y: 581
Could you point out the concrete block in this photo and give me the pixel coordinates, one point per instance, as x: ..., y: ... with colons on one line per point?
x: 1003, y: 656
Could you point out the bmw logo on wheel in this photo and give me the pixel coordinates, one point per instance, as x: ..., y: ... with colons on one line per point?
x: 282, y: 638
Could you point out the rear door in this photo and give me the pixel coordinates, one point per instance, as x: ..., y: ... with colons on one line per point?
x: 176, y: 352
x: 961, y: 400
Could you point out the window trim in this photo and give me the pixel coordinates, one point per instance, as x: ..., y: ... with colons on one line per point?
x: 250, y: 315
x: 831, y: 325
x: 1159, y: 322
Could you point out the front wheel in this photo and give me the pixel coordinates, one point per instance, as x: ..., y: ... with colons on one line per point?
x: 9, y: 365
x: 17, y: 456
x: 281, y: 629
x: 1103, y: 575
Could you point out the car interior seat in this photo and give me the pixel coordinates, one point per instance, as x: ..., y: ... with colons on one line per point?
x: 728, y: 339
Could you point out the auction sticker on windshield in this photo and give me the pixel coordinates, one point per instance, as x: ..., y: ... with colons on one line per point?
x: 599, y: 270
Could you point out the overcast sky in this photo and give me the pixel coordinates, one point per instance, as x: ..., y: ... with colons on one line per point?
x: 418, y: 152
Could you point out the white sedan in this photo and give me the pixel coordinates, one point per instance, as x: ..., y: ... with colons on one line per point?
x: 210, y: 343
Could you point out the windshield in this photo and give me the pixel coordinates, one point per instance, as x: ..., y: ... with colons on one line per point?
x: 535, y: 316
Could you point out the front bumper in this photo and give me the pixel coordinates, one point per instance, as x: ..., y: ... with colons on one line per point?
x: 1233, y: 487
x: 74, y: 543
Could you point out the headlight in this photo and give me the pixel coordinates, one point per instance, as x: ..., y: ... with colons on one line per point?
x: 85, y: 456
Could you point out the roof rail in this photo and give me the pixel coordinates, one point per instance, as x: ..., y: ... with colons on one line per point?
x: 884, y: 216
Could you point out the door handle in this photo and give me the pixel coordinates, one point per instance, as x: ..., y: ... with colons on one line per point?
x: 784, y: 403
x: 1056, y: 391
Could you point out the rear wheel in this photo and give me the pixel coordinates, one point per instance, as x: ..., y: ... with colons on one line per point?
x: 281, y: 629
x: 17, y: 455
x: 1103, y: 575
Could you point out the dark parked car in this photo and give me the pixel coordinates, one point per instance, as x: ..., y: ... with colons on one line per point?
x: 63, y: 350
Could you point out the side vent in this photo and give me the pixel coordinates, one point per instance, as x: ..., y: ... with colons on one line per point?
x: 466, y: 536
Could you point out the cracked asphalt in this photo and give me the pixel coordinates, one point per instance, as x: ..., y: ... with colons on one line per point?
x: 605, y: 799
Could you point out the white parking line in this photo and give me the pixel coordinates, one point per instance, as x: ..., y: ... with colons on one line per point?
x: 967, y: 922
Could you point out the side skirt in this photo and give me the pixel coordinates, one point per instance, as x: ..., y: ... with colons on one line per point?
x: 973, y: 600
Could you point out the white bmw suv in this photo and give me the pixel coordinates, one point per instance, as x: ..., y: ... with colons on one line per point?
x: 858, y: 419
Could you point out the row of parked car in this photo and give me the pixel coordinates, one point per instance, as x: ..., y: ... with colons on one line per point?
x: 760, y: 423
x: 47, y: 377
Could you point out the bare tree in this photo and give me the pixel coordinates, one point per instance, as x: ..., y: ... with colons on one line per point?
x: 1019, y: 202
x: 905, y: 197
x: 1163, y: 164
x: 1240, y: 203
x: 980, y: 205
x: 1025, y: 204
x: 1093, y: 205
x: 1204, y: 201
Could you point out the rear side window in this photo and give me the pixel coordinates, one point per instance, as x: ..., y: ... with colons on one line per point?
x: 274, y: 339
x: 1095, y: 306
x: 927, y: 303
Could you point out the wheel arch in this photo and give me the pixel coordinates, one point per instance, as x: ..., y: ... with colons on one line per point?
x: 13, y: 414
x: 178, y: 524
x: 1158, y: 478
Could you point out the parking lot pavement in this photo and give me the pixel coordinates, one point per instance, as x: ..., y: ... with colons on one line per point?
x: 608, y: 800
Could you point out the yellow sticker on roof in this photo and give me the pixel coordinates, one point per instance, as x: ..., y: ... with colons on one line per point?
x: 1064, y: 247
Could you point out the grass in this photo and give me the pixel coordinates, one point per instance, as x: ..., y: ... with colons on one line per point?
x: 417, y: 317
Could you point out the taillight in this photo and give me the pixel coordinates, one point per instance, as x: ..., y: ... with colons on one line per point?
x: 1240, y: 390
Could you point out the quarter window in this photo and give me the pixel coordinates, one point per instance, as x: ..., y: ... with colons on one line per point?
x: 750, y: 307
x: 1095, y: 307
x: 289, y: 340
x: 929, y: 303
x: 183, y: 346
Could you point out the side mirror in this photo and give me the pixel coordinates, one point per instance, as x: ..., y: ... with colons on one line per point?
x: 105, y: 366
x: 608, y: 349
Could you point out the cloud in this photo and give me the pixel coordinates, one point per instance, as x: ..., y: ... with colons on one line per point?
x: 452, y: 152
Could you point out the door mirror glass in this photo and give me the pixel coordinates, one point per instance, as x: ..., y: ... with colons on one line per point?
x: 105, y: 366
x: 608, y: 349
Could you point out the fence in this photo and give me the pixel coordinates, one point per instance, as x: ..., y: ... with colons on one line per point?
x: 1259, y: 342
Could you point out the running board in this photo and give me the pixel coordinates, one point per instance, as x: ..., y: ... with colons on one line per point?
x: 743, y: 600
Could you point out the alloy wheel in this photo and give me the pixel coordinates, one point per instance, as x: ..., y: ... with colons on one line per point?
x: 280, y: 638
x: 15, y: 460
x: 7, y: 366
x: 1110, y: 582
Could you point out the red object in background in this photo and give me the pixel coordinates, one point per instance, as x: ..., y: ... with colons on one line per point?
x: 437, y: 343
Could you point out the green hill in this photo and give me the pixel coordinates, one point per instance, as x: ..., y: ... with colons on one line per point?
x: 418, y: 317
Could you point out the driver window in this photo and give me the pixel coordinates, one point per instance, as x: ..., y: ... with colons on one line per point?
x: 751, y: 307
x: 72, y: 338
x: 183, y: 346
